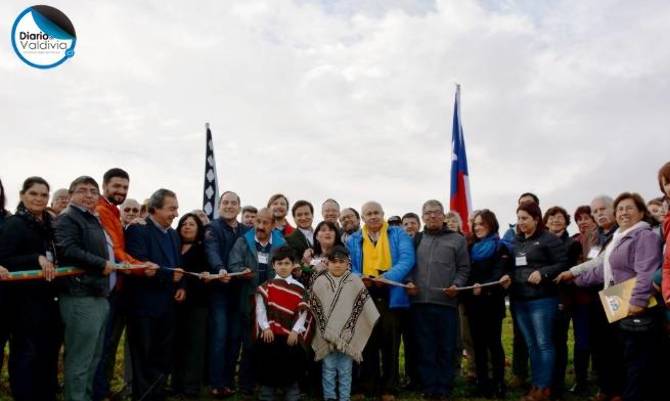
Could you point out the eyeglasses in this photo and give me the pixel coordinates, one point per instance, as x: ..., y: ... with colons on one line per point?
x: 84, y: 191
x: 131, y: 209
x: 432, y: 212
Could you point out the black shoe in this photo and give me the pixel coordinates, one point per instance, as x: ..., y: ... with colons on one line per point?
x: 579, y: 389
x: 500, y: 392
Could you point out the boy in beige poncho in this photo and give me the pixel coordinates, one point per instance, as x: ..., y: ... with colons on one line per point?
x: 345, y: 316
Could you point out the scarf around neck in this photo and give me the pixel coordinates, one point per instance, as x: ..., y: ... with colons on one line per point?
x: 376, y: 257
x: 608, y: 277
x: 484, y: 248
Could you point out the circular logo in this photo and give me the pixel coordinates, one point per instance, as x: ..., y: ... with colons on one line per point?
x: 43, y: 37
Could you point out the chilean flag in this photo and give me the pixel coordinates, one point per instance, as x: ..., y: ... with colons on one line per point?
x: 460, y: 200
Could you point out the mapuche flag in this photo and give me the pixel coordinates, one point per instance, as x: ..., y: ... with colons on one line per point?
x: 460, y: 200
x: 211, y: 187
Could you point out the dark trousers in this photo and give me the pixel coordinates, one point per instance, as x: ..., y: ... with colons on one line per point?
x: 607, y: 352
x: 409, y: 343
x: 247, y: 377
x: 581, y: 353
x: 34, y: 344
x: 436, y: 328
x: 640, y: 350
x: 5, y: 304
x: 485, y: 314
x: 151, y: 345
x: 225, y: 337
x: 382, y: 347
x: 190, y: 349
x: 116, y: 322
x: 519, y: 353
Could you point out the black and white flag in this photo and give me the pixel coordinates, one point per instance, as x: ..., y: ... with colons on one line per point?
x: 211, y: 187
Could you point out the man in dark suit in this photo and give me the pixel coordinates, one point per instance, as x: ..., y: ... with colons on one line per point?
x: 151, y: 298
x: 303, y: 238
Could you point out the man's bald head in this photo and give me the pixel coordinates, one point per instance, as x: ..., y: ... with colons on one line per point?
x: 373, y: 215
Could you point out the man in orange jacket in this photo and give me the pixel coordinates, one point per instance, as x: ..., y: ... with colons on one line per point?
x: 115, y: 189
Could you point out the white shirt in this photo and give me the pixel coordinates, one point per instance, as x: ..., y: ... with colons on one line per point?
x: 262, y: 315
x: 309, y: 235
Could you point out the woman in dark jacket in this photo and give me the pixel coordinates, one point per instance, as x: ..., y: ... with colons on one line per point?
x: 4, y: 328
x: 539, y: 257
x: 485, y: 307
x: 26, y: 243
x: 557, y: 220
x: 191, y: 325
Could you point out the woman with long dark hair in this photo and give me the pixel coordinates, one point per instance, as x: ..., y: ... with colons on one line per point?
x: 326, y: 236
x: 191, y: 326
x: 3, y: 212
x: 27, y: 243
x: 485, y: 307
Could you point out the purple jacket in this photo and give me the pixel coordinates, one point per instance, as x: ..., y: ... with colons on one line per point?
x: 638, y: 254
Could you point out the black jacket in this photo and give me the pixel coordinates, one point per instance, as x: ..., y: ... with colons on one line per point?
x: 492, y: 299
x: 194, y: 260
x: 81, y: 242
x: 298, y: 243
x: 22, y: 242
x: 544, y: 252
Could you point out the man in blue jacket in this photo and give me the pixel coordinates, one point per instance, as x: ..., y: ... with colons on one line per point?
x: 251, y: 254
x: 151, y: 298
x: 224, y: 321
x: 381, y: 251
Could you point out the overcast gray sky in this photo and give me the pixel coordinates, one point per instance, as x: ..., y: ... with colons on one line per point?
x: 348, y: 99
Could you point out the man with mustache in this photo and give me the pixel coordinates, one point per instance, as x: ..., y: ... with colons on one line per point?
x: 350, y: 221
x: 251, y: 255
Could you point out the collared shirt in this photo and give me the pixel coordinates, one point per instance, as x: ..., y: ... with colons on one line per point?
x: 262, y: 315
x: 83, y: 209
x: 309, y: 235
x: 160, y: 227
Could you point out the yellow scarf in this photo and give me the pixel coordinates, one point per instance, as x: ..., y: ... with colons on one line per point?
x: 376, y: 258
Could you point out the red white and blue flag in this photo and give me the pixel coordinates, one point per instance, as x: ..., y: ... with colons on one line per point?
x: 460, y: 200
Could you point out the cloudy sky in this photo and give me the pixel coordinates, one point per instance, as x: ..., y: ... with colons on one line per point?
x: 350, y: 99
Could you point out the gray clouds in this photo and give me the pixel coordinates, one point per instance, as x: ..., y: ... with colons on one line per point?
x: 350, y: 100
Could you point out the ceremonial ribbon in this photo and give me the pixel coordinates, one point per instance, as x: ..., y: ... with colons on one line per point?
x: 38, y: 274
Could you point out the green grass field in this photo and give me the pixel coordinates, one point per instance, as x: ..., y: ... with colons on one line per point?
x: 459, y: 393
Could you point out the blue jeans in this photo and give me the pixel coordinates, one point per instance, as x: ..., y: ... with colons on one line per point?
x: 224, y: 338
x: 336, y: 364
x: 436, y: 328
x: 536, y: 320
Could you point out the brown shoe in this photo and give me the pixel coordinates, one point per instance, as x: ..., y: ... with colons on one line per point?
x: 539, y: 394
x: 388, y: 397
x: 600, y: 397
x: 518, y: 382
x: 358, y: 397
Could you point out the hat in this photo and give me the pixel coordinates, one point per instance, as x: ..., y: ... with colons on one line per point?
x: 338, y: 252
x: 394, y: 221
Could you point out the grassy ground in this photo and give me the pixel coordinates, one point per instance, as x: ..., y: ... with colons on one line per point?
x: 459, y: 393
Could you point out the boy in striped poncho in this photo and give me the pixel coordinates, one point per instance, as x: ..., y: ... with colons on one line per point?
x: 282, y: 330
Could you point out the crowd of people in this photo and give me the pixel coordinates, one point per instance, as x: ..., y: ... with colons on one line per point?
x: 248, y: 304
